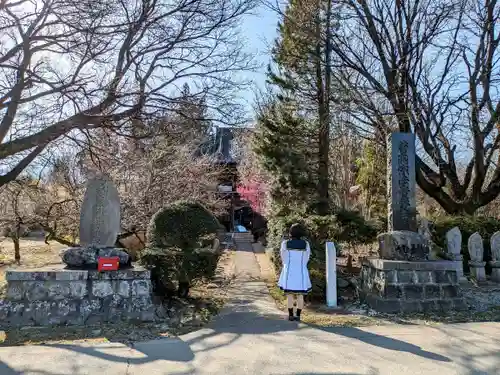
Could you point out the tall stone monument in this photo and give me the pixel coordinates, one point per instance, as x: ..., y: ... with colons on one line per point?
x: 402, y: 241
x: 401, y: 183
x: 403, y: 279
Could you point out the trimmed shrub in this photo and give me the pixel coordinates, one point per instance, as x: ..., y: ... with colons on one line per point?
x: 181, y: 224
x: 179, y: 249
x: 468, y: 225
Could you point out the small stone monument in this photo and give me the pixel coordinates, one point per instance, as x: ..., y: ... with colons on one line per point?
x: 100, y: 214
x: 454, y: 250
x: 454, y: 243
x: 99, y: 226
x: 495, y: 257
x: 476, y: 251
x: 424, y: 230
x: 402, y: 241
x: 80, y: 294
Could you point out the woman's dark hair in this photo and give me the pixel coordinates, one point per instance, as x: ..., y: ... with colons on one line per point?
x: 297, y: 231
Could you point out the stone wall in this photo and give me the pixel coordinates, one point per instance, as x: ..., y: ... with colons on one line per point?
x: 398, y: 286
x: 74, y: 297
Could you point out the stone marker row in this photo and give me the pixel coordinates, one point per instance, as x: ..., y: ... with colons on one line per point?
x: 476, y: 251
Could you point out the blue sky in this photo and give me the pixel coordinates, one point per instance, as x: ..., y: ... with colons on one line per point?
x: 259, y: 30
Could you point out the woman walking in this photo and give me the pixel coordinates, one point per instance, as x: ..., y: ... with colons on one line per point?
x: 294, y: 278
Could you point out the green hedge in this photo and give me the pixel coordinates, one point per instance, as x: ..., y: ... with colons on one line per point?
x: 468, y: 225
x: 179, y: 249
x: 343, y: 226
x: 181, y: 224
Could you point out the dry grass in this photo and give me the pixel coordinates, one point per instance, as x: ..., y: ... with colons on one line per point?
x: 34, y: 253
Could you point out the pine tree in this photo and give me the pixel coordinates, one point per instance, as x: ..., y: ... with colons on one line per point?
x: 302, y: 56
x: 283, y: 143
x: 191, y: 114
x: 372, y: 171
x: 186, y: 120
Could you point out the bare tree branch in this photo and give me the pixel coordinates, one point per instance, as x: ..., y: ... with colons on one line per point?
x: 68, y: 66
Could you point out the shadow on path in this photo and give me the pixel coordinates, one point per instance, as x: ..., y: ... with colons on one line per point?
x: 168, y: 349
x: 383, y: 342
x: 7, y: 370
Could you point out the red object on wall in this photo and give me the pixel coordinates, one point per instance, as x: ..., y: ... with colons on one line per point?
x: 108, y: 264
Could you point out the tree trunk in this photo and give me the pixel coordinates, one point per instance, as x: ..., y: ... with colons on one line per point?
x: 323, y: 175
x: 17, y: 249
x: 449, y: 205
x: 323, y: 97
x: 15, y: 238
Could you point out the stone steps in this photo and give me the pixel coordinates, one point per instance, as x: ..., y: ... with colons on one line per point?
x: 242, y: 237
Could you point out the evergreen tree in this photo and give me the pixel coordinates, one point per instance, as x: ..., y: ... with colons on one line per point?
x: 186, y: 120
x: 282, y: 141
x: 372, y: 171
x: 191, y: 114
x: 303, y: 79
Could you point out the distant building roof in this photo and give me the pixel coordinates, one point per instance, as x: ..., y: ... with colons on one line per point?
x: 223, y: 139
x: 219, y: 145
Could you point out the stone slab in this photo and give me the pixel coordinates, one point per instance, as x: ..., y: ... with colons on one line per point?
x: 56, y: 296
x: 46, y: 274
x: 403, y: 245
x: 100, y: 213
x: 125, y: 274
x: 402, y: 287
x: 393, y: 306
x: 431, y: 265
x: 60, y: 273
x: 401, y: 182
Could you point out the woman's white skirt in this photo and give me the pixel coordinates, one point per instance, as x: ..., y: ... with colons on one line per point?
x: 294, y: 277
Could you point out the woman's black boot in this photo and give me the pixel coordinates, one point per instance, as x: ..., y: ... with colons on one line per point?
x: 290, y: 314
x: 298, y: 315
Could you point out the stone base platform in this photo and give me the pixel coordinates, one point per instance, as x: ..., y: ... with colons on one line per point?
x: 58, y: 296
x: 392, y: 286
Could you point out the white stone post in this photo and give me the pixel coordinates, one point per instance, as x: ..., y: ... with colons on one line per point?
x: 331, y: 275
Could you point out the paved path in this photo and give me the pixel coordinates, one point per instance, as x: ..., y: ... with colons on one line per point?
x: 251, y: 337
